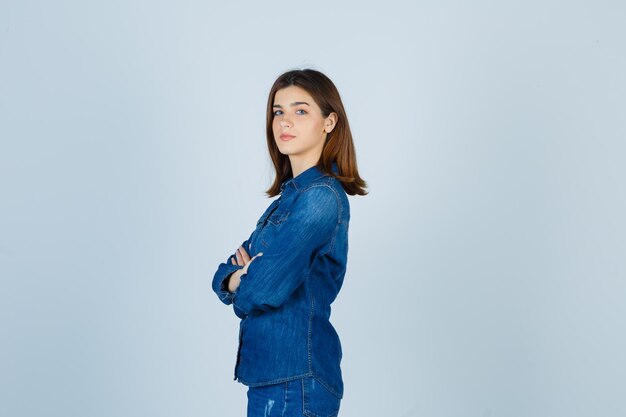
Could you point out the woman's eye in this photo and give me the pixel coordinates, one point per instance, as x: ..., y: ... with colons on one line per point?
x: 276, y: 113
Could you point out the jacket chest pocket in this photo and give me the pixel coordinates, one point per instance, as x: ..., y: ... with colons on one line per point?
x: 260, y: 224
x: 278, y: 217
x: 270, y: 210
x: 275, y: 221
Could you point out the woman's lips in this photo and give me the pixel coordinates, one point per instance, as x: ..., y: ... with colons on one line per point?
x: 286, y: 137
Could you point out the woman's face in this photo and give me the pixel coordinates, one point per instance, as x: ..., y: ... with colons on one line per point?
x: 297, y: 115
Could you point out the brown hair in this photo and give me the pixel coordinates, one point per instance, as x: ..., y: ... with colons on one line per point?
x: 338, y: 146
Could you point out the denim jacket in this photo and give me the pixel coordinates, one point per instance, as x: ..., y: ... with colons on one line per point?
x: 284, y: 299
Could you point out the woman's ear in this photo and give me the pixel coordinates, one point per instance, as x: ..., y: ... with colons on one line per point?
x: 331, y: 122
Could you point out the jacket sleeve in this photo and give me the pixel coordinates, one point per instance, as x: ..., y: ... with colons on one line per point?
x: 286, y: 263
x: 223, y: 271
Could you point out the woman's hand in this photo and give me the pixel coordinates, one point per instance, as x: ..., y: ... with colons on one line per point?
x: 242, y: 259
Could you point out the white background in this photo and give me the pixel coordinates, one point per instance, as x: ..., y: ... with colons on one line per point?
x: 487, y: 267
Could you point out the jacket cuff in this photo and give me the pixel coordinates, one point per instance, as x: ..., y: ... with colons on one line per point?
x: 219, y: 279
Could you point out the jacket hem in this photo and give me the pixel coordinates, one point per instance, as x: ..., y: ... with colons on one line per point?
x: 290, y: 378
x: 273, y: 381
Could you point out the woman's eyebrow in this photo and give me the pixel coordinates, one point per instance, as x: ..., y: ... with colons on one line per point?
x: 295, y: 103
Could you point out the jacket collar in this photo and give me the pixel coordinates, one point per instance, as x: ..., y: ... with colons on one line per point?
x: 306, y: 177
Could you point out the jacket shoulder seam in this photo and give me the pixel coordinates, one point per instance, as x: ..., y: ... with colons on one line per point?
x: 339, y: 206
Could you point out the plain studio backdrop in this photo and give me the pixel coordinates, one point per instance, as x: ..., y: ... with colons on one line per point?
x: 487, y: 267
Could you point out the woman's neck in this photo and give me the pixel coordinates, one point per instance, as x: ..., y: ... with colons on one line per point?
x: 298, y: 166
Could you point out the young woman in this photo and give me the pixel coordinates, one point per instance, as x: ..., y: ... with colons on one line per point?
x: 283, y: 278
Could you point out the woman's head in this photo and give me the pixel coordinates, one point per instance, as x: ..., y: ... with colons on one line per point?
x: 306, y: 105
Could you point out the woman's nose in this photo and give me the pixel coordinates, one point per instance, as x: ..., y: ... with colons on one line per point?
x: 284, y: 123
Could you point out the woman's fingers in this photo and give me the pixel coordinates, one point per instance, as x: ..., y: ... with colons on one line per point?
x: 239, y: 258
x: 244, y: 254
x: 245, y: 268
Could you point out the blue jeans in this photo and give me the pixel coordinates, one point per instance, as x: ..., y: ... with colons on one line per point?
x: 295, y: 398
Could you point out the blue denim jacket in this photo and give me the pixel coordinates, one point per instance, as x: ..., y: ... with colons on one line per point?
x: 284, y: 298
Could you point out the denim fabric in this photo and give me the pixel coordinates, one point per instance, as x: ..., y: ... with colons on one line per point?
x: 294, y: 398
x: 284, y: 299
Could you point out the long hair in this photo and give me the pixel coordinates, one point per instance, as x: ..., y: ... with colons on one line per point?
x: 338, y: 147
